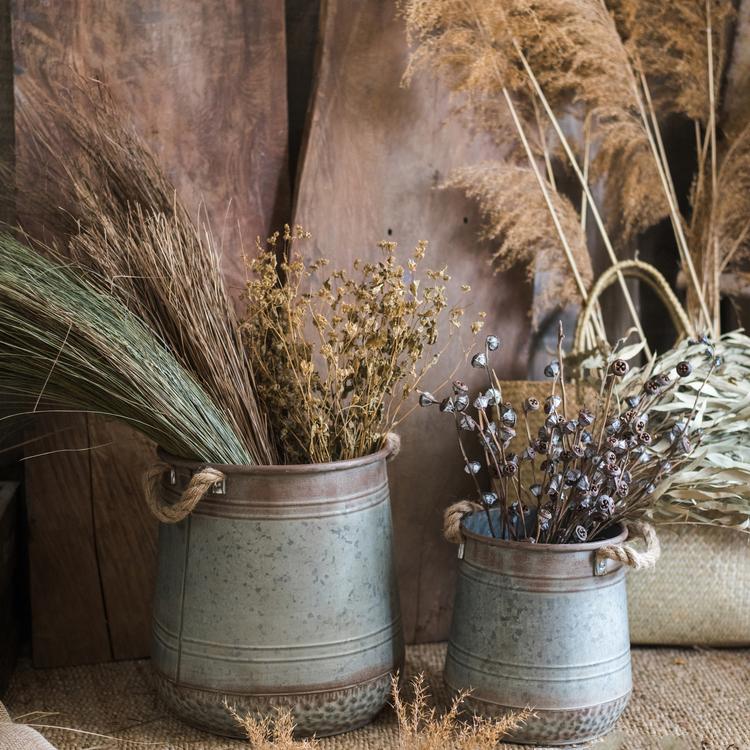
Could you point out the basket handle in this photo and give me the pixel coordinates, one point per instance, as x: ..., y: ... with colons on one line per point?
x: 634, y: 269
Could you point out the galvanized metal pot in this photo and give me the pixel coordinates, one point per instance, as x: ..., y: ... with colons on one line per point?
x: 279, y: 590
x: 535, y: 625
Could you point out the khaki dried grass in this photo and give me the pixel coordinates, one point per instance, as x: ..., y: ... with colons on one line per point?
x: 579, y: 60
x: 120, y: 217
x: 669, y: 41
x: 272, y: 732
x: 422, y: 727
x: 523, y: 228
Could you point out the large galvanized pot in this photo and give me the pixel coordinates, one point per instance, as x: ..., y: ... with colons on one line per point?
x: 536, y: 626
x: 279, y: 590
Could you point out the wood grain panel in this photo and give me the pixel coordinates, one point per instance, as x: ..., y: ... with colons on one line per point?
x: 69, y: 623
x: 375, y: 155
x: 205, y: 85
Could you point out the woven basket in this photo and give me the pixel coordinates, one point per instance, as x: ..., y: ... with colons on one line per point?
x: 698, y: 593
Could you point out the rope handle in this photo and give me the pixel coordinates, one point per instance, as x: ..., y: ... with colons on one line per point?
x: 629, y: 555
x: 200, y: 483
x: 453, y: 516
x: 634, y: 269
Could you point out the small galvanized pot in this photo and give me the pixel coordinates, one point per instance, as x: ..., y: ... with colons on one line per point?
x: 541, y: 626
x: 279, y: 589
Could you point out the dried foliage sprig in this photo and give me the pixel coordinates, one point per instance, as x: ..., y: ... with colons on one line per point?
x: 337, y: 357
x: 714, y: 485
x: 123, y: 220
x: 590, y: 471
x: 422, y: 727
x: 67, y: 346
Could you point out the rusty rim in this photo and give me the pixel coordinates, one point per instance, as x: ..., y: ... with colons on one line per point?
x: 281, y: 469
x: 510, y: 544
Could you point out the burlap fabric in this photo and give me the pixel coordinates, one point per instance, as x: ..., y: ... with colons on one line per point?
x: 698, y: 593
x: 683, y: 700
x: 19, y: 737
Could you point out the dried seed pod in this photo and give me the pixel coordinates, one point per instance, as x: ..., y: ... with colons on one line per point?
x: 578, y: 450
x: 529, y: 454
x: 583, y: 483
x: 460, y: 387
x: 489, y: 498
x: 508, y: 415
x: 684, y: 368
x: 552, y: 370
x: 586, y: 437
x: 531, y: 404
x: 473, y: 467
x: 551, y: 422
x: 508, y: 469
x: 585, y: 418
x: 481, y: 402
x: 605, y: 505
x: 645, y: 438
x: 446, y: 405
x: 461, y: 402
x: 541, y: 446
x: 572, y: 476
x: 633, y: 401
x: 427, y: 399
x: 613, y: 426
x: 640, y: 425
x: 493, y: 396
x: 493, y: 343
x: 652, y: 386
x: 619, y: 368
x: 584, y: 503
x: 570, y: 427
x: 664, y: 379
x: 622, y: 489
x: 581, y: 534
x: 610, y: 458
x: 479, y: 360
x: 629, y: 415
x: 665, y: 467
x: 467, y: 423
x: 536, y: 490
x: 551, y: 403
x: 507, y: 433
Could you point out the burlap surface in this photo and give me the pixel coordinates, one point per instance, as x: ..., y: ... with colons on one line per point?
x: 682, y: 699
x: 699, y: 593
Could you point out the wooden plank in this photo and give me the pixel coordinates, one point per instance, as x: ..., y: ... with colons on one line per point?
x: 205, y: 86
x: 10, y: 630
x: 69, y: 623
x: 375, y: 154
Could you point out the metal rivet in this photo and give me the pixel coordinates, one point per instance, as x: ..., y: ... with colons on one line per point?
x: 461, y: 551
x: 219, y: 488
x: 600, y: 568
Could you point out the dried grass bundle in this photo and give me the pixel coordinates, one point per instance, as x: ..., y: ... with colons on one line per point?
x: 67, y: 346
x: 518, y: 219
x: 123, y: 220
x: 676, y: 44
x: 421, y: 727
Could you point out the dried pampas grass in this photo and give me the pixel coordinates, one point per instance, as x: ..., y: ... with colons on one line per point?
x: 483, y: 48
x: 122, y: 219
x: 670, y: 42
x: 518, y: 219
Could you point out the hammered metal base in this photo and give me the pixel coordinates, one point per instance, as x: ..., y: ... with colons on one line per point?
x: 320, y: 713
x: 561, y: 727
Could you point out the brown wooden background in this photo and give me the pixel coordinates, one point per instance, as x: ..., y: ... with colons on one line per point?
x: 235, y: 97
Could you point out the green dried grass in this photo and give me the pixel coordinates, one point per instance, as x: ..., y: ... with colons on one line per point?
x: 67, y: 346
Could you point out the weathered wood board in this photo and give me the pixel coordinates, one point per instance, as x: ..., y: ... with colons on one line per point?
x: 10, y: 568
x: 375, y: 156
x: 205, y: 85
